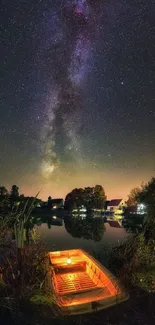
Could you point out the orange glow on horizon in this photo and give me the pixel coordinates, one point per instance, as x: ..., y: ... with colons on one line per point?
x: 115, y: 183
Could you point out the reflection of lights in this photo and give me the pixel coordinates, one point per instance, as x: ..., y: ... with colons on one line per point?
x: 142, y: 206
x: 83, y: 216
x: 69, y: 261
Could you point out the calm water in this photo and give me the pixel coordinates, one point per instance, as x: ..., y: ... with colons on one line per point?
x: 90, y: 234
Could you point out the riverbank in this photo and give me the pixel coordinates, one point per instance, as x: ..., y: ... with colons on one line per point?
x: 138, y: 310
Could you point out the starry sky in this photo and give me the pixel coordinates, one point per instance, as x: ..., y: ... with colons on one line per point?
x: 77, y: 95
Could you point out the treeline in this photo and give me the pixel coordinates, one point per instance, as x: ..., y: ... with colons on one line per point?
x: 12, y: 198
x: 89, y: 197
x: 145, y: 195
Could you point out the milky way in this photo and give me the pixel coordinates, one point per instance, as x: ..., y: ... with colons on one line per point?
x: 70, y: 58
x: 77, y: 95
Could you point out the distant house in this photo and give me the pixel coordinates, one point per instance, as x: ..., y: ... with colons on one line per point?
x: 57, y: 203
x: 116, y: 206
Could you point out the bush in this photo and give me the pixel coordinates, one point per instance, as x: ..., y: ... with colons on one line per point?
x: 135, y: 261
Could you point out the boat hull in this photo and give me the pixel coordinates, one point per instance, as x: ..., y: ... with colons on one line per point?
x: 81, y: 284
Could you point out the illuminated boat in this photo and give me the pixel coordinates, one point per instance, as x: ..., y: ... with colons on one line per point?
x: 81, y: 284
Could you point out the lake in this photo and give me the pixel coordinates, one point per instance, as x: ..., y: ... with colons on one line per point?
x: 90, y: 234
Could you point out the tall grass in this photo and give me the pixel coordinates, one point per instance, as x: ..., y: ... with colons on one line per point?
x: 22, y: 258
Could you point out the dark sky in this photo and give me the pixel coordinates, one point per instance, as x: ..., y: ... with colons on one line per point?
x: 77, y: 95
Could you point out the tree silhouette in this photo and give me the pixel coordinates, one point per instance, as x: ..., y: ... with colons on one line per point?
x: 14, y: 191
x: 147, y: 197
x: 3, y: 191
x: 90, y: 197
x: 133, y: 197
x: 49, y: 203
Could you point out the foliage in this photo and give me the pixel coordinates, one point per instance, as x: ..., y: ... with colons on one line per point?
x: 135, y: 261
x: 90, y: 197
x: 9, y: 202
x: 147, y: 196
x: 20, y: 286
x: 40, y: 298
x: 14, y: 191
x: 133, y: 197
x: 134, y: 223
x: 3, y: 191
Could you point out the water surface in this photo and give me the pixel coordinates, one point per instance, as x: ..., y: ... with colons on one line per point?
x: 89, y: 234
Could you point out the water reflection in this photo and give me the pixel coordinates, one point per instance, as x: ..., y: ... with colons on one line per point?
x: 133, y: 224
x: 86, y: 227
x: 84, y: 231
x: 50, y: 221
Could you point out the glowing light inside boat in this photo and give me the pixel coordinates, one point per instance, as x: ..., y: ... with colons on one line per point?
x: 69, y: 261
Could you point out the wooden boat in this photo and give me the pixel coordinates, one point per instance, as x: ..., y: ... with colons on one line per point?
x: 81, y: 284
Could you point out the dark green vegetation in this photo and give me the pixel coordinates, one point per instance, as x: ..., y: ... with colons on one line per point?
x: 136, y: 258
x: 24, y: 296
x: 22, y: 260
x: 11, y: 201
x: 89, y: 197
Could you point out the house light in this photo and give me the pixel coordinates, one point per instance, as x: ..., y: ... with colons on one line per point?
x: 54, y: 217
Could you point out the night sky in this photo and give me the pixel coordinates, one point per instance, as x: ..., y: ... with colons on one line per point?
x: 77, y: 95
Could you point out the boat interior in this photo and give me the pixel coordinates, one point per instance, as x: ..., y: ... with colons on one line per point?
x: 79, y: 276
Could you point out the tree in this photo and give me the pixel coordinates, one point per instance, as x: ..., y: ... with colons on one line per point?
x: 3, y: 191
x: 49, y: 202
x: 147, y: 197
x: 90, y: 197
x: 14, y: 191
x: 74, y: 199
x: 99, y: 197
x: 133, y: 197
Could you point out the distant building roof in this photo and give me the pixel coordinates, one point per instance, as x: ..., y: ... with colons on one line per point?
x: 114, y: 203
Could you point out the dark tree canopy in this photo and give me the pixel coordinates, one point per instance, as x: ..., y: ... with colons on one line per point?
x: 90, y: 197
x: 133, y: 197
x: 3, y: 191
x: 146, y: 195
x: 14, y: 191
